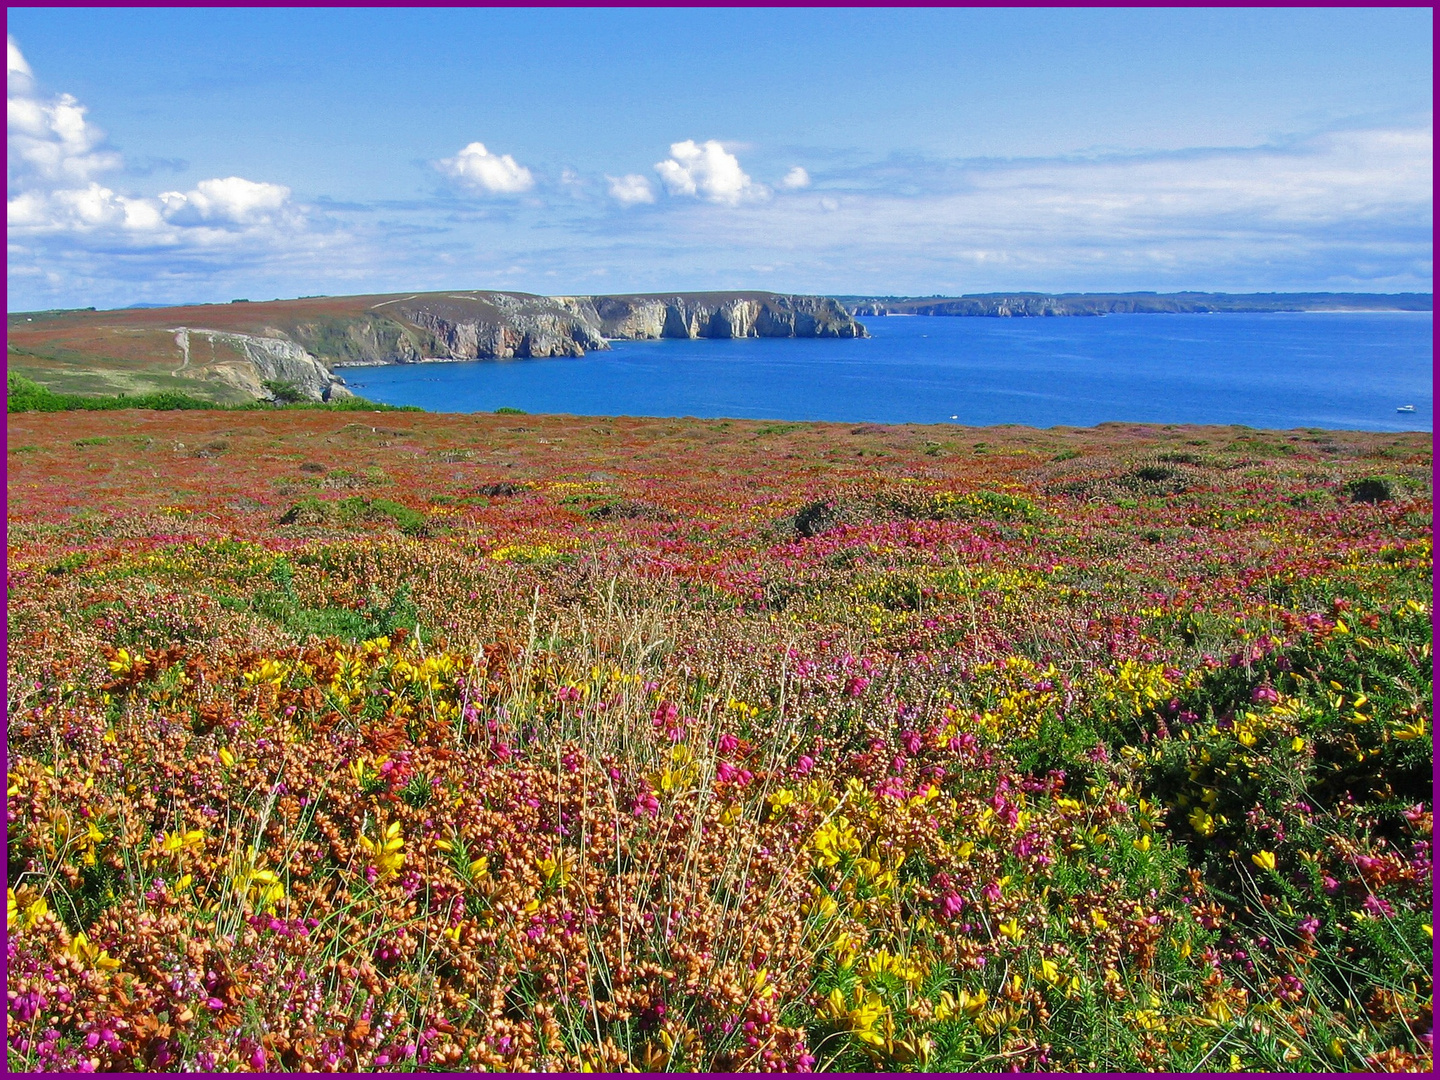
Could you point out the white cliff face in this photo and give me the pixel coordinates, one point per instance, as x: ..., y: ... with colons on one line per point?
x: 710, y: 316
x: 487, y: 325
x: 257, y: 360
x: 528, y: 336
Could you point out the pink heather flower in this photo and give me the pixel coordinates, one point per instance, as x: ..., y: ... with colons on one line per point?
x: 912, y: 741
x: 646, y: 805
x: 728, y: 744
x: 804, y: 765
x: 1377, y: 907
x: 856, y: 686
x: 1264, y: 694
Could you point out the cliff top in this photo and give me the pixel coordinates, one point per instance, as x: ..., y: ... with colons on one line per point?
x: 251, y: 317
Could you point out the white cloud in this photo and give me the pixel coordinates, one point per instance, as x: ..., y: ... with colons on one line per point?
x: 15, y: 65
x: 478, y: 169
x: 49, y: 141
x: 74, y: 238
x: 630, y: 189
x: 1342, y: 210
x: 708, y: 171
x: 82, y: 210
x: 795, y: 179
x: 231, y: 201
x: 56, y: 154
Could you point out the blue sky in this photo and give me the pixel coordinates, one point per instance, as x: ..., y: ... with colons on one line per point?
x: 168, y: 155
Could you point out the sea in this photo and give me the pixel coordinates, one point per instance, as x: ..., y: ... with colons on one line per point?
x: 1338, y: 370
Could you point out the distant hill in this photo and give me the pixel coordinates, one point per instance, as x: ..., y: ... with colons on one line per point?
x: 283, y: 349
x: 1042, y: 304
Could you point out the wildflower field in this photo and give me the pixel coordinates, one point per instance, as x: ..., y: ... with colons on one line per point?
x: 404, y: 741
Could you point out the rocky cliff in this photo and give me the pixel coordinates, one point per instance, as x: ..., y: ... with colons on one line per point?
x: 247, y: 363
x: 299, y: 342
x: 446, y: 326
x: 715, y: 315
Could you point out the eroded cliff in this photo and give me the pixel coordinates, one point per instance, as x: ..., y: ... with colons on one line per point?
x: 715, y: 315
x: 299, y: 343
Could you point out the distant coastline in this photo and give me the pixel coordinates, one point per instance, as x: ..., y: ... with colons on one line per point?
x: 1029, y: 305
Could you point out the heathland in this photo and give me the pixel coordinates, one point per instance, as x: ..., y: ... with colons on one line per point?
x: 346, y: 740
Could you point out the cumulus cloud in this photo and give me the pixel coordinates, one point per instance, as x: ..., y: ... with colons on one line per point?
x: 82, y: 210
x: 1342, y: 209
x: 477, y: 169
x: 708, y: 171
x: 630, y: 189
x: 49, y: 141
x: 76, y: 237
x: 56, y: 154
x: 795, y: 179
x: 231, y: 201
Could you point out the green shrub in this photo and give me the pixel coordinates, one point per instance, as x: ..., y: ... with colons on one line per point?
x: 1371, y: 489
x: 284, y: 391
x: 25, y: 395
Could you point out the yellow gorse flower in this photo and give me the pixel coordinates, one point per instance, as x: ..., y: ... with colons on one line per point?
x: 883, y: 963
x: 832, y: 840
x: 780, y: 799
x: 35, y: 912
x: 386, y: 854
x: 1265, y: 860
x: 177, y: 842
x: 270, y: 671
x: 742, y: 709
x: 1413, y: 730
x: 861, y: 1018
x: 261, y: 888
x: 556, y: 872
x: 972, y: 1004
x: 824, y: 905
x: 81, y: 949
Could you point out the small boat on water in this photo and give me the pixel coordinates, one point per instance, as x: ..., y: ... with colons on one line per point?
x: 1406, y: 408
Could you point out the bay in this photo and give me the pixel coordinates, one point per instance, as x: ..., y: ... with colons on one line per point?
x: 1339, y: 370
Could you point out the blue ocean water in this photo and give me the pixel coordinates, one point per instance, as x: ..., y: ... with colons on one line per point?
x: 1325, y: 370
